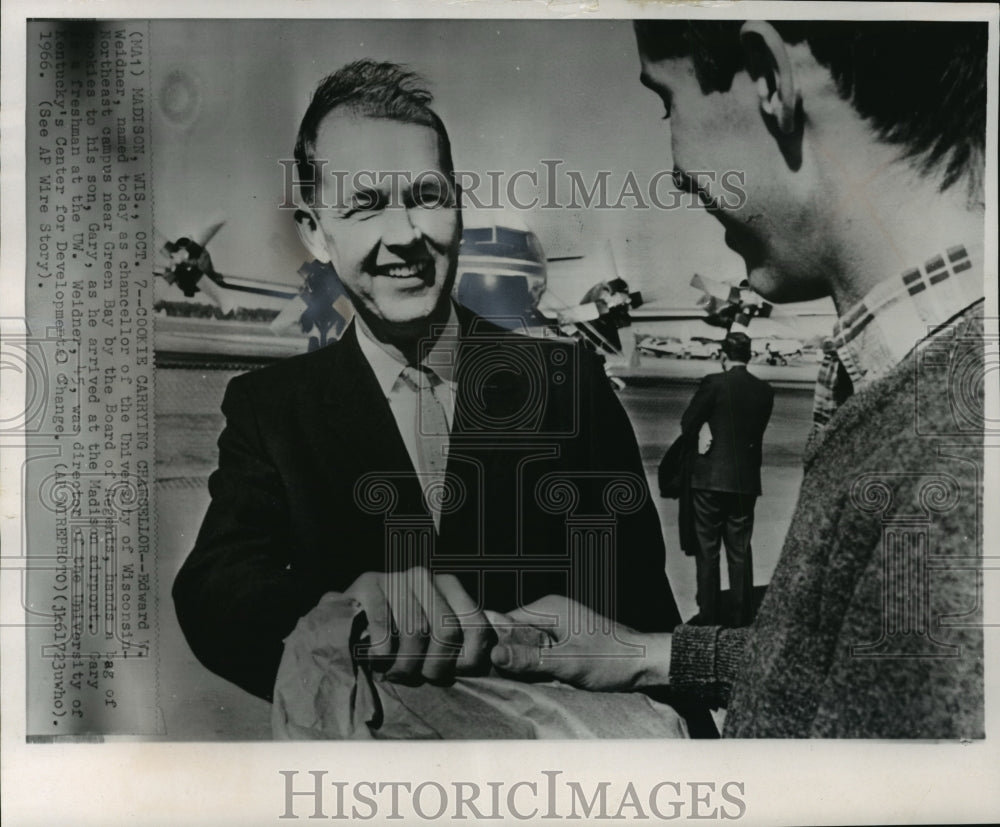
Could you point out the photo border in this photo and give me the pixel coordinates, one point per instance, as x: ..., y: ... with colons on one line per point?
x: 786, y: 782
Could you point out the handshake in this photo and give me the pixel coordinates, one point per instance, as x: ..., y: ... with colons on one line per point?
x: 426, y: 627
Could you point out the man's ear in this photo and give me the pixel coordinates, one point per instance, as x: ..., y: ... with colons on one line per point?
x: 311, y: 234
x: 766, y: 58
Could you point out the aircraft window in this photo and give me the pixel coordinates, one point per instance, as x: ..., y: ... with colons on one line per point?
x: 515, y: 239
x: 534, y: 247
x: 508, y: 243
x: 477, y: 235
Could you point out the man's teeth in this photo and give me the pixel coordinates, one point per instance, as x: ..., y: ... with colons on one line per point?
x: 404, y: 271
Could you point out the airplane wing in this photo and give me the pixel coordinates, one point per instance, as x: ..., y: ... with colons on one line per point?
x: 262, y: 287
x: 209, y: 232
x: 289, y: 316
x: 653, y: 314
x: 715, y: 289
x: 242, y: 284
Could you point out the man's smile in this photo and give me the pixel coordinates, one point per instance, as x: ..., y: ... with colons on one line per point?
x: 422, y: 269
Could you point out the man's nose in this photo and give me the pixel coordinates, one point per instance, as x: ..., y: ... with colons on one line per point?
x: 684, y: 182
x: 689, y: 183
x: 401, y: 230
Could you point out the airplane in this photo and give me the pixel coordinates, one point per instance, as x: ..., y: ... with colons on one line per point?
x: 736, y: 306
x: 502, y: 275
x: 190, y: 267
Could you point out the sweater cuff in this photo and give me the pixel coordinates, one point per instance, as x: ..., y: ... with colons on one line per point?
x: 729, y: 651
x: 706, y: 659
x: 692, y: 656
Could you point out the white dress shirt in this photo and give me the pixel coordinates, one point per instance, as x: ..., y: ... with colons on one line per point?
x: 404, y: 404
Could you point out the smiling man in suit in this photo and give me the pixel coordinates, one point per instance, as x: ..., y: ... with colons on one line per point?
x: 428, y: 464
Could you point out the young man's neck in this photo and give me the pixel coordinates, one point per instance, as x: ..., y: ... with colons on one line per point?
x: 893, y: 219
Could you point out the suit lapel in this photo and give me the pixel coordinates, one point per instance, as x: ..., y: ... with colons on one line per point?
x: 363, y: 435
x: 472, y: 459
x: 486, y: 397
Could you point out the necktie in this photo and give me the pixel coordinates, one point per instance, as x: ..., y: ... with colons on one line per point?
x: 430, y: 428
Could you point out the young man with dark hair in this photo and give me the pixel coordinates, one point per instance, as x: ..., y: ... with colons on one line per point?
x: 426, y: 464
x: 862, y: 146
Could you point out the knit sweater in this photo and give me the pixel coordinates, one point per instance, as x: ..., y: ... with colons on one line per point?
x: 872, y: 623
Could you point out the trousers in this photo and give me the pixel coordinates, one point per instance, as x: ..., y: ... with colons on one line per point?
x: 724, y: 517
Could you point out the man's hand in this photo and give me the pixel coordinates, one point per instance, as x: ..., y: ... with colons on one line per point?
x: 422, y: 626
x: 704, y: 439
x: 556, y: 637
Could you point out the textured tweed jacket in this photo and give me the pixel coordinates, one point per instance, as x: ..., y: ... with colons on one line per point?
x: 872, y: 623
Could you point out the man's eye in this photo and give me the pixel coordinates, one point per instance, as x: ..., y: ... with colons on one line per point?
x: 430, y: 196
x: 368, y: 201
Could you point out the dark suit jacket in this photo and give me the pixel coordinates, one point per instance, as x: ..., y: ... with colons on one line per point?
x: 315, y: 487
x: 737, y: 406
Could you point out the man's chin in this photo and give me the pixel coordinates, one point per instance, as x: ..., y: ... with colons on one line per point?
x: 760, y: 279
x: 412, y: 314
x: 767, y: 283
x: 780, y: 287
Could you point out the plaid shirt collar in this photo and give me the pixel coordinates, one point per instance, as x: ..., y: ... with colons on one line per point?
x: 877, y: 333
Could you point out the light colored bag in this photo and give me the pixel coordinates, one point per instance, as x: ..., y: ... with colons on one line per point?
x: 321, y: 693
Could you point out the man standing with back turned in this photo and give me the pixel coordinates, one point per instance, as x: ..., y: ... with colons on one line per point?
x: 728, y: 415
x: 862, y: 148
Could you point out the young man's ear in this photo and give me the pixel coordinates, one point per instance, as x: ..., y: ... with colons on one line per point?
x: 310, y: 233
x: 766, y: 58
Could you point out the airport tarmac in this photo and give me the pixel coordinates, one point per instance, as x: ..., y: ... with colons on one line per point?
x: 197, y: 705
